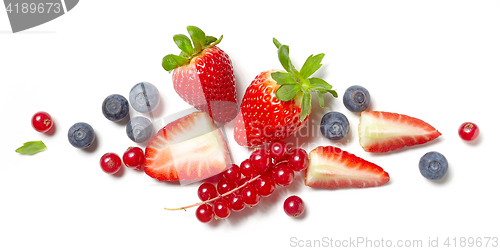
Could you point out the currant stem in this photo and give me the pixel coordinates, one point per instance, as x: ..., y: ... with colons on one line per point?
x: 216, y: 198
x: 222, y: 195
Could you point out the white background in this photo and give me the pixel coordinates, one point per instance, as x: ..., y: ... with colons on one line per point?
x: 435, y: 60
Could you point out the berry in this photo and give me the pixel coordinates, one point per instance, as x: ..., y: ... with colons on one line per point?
x: 332, y: 168
x: 205, y: 213
x: 207, y: 191
x: 232, y: 174
x: 433, y: 165
x: 385, y: 131
x: 115, y: 107
x: 334, y: 126
x: 250, y: 196
x: 278, y: 151
x: 294, y: 206
x: 133, y: 158
x: 298, y: 159
x: 356, y: 98
x: 283, y: 175
x: 81, y: 135
x: 224, y: 186
x: 203, y: 76
x: 189, y: 148
x: 468, y: 131
x: 265, y: 185
x: 261, y: 160
x: 42, y: 122
x: 110, y: 163
x: 236, y: 202
x: 244, y: 180
x: 222, y: 209
x: 144, y: 97
x: 139, y: 129
x: 277, y: 104
x: 247, y: 169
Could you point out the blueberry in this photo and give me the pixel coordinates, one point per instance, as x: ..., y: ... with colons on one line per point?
x: 144, y: 97
x: 356, y: 98
x: 334, y: 126
x: 433, y: 165
x: 81, y: 135
x: 139, y: 129
x: 115, y: 107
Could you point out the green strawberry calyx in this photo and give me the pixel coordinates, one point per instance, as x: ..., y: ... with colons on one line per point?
x: 293, y: 82
x: 189, y: 50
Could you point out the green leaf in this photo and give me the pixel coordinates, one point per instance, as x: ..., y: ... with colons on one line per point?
x: 283, y: 78
x: 312, y: 64
x: 306, y: 106
x: 318, y: 83
x: 172, y: 61
x: 183, y: 42
x: 334, y: 93
x: 31, y: 147
x: 284, y: 57
x: 198, y: 38
x: 321, y: 100
x: 210, y: 39
x: 275, y: 41
x: 287, y: 92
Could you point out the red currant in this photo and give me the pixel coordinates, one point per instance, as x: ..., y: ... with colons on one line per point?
x: 247, y: 169
x: 283, y: 175
x: 42, y: 122
x: 207, y: 191
x: 468, y: 131
x: 294, y: 206
x: 236, y: 202
x: 298, y: 159
x: 205, y: 213
x: 265, y: 185
x: 221, y: 208
x: 232, y: 174
x: 133, y: 158
x: 110, y: 163
x: 244, y: 180
x: 261, y: 160
x: 224, y: 186
x: 250, y: 196
x: 278, y: 151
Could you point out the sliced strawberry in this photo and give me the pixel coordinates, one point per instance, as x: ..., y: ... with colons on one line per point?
x: 385, y: 131
x: 331, y: 168
x: 189, y: 148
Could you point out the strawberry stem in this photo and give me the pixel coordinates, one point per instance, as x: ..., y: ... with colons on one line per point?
x: 214, y: 43
x: 294, y: 83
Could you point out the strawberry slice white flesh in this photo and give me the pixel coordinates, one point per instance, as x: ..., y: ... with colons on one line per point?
x: 189, y: 148
x: 331, y: 168
x: 384, y: 131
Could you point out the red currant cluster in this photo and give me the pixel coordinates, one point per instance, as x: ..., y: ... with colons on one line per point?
x: 256, y: 177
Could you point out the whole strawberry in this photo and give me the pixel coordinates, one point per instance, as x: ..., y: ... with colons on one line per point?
x: 277, y: 104
x: 203, y: 75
